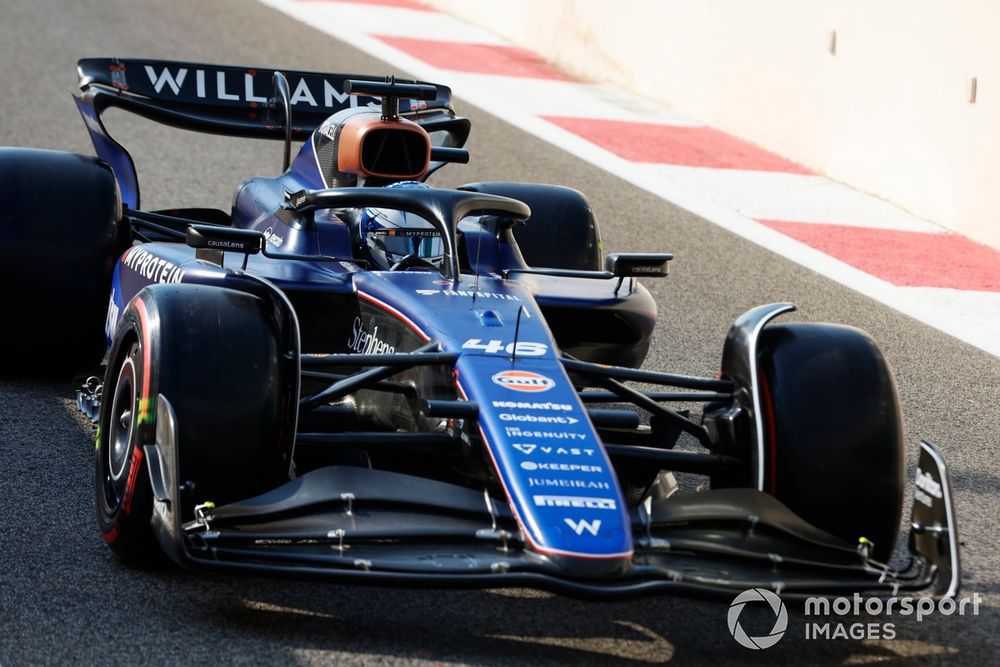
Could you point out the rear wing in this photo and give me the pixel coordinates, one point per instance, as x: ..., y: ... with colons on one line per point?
x: 232, y: 101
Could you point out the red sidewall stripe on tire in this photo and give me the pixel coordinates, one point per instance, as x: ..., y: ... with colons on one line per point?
x: 140, y: 308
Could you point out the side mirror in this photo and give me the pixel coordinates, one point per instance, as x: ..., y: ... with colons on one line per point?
x: 212, y: 237
x: 638, y: 265
x: 212, y: 241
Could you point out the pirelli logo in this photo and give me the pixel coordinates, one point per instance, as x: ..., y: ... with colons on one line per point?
x: 580, y: 502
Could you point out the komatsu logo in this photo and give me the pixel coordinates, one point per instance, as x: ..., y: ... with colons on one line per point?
x: 526, y: 405
x: 230, y: 86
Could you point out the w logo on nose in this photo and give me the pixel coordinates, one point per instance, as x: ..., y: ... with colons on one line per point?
x: 579, y: 526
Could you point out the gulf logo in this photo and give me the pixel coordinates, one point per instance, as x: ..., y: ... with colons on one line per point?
x: 524, y: 381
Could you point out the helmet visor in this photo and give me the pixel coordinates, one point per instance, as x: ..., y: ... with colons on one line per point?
x: 400, y: 243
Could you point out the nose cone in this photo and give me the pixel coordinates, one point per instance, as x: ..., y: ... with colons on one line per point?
x: 549, y: 460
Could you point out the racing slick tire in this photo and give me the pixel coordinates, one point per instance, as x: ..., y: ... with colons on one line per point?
x: 562, y: 232
x: 833, y: 433
x: 214, y: 354
x: 59, y: 237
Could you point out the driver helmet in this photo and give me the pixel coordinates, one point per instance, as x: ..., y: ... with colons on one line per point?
x: 391, y: 236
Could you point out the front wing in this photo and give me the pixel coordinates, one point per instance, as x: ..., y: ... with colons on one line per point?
x: 383, y: 528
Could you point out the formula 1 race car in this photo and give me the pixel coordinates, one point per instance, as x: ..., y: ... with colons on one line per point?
x: 358, y: 376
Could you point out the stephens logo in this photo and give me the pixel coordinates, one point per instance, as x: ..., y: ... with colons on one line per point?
x: 524, y: 381
x: 365, y: 342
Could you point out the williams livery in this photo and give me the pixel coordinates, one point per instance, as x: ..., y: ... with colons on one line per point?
x: 352, y: 374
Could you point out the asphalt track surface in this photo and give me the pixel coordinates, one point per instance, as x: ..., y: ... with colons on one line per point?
x: 65, y: 600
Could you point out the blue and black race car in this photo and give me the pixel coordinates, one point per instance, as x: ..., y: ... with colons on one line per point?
x: 355, y: 375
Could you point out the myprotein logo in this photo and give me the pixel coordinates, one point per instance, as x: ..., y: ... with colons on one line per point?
x: 526, y: 381
x: 153, y: 268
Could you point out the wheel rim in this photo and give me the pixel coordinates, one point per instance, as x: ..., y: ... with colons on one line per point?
x: 120, y: 427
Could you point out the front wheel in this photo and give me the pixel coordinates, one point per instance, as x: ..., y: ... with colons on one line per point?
x: 833, y: 433
x: 215, y: 354
x: 124, y: 499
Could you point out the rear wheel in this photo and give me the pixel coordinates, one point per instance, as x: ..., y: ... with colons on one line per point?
x: 214, y: 353
x: 833, y: 434
x: 59, y: 237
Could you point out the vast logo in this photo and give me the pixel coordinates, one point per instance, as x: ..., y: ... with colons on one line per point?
x: 780, y: 620
x: 524, y: 381
x: 530, y: 447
